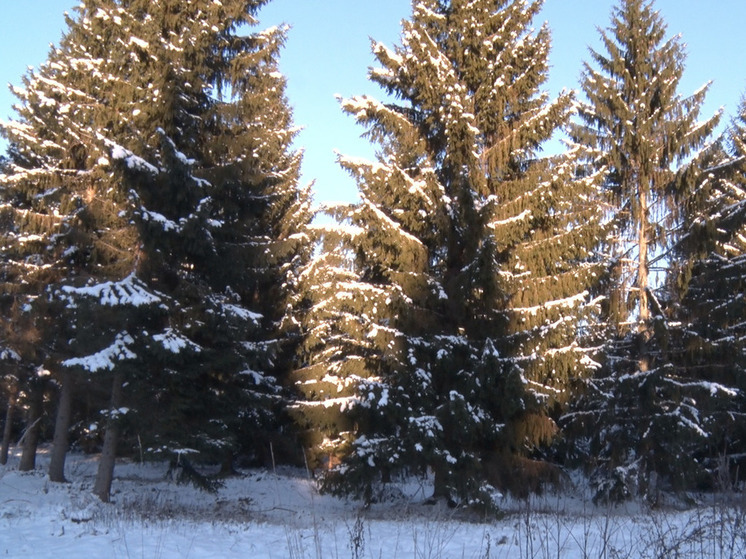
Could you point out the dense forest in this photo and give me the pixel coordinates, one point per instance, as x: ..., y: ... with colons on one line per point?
x: 484, y: 314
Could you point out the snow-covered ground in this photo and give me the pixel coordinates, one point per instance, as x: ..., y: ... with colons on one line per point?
x: 281, y: 515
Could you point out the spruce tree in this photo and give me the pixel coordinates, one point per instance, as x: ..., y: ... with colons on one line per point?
x: 50, y: 206
x: 182, y: 204
x: 707, y: 288
x: 444, y: 323
x: 640, y: 131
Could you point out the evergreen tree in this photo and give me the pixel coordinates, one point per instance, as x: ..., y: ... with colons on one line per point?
x: 49, y: 203
x: 708, y: 287
x: 637, y: 128
x: 181, y: 203
x: 445, y: 313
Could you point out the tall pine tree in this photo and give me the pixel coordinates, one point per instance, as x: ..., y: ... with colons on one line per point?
x: 151, y: 158
x: 637, y: 128
x: 446, y: 313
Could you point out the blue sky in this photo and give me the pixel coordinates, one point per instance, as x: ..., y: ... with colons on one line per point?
x: 328, y: 53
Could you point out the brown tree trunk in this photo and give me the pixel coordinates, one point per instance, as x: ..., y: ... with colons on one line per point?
x: 642, y: 283
x: 105, y: 475
x: 30, y: 439
x: 8, y: 428
x: 61, y: 428
x: 642, y: 268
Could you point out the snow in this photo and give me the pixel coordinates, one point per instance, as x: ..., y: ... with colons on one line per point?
x: 23, y: 239
x: 359, y: 163
x: 383, y: 51
x: 571, y: 301
x: 279, y: 514
x: 7, y: 354
x: 344, y: 403
x: 107, y: 358
x: 389, y: 223
x: 525, y: 214
x: 129, y: 291
x: 139, y: 42
x: 242, y: 313
x: 132, y: 160
x: 174, y: 342
x: 160, y: 219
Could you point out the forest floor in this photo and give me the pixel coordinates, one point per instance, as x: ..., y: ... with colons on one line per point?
x: 280, y: 514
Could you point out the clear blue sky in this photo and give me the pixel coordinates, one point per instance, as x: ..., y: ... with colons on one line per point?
x: 328, y: 52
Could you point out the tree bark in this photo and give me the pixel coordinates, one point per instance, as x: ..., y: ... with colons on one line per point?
x: 8, y: 428
x: 61, y: 428
x: 642, y: 267
x: 30, y: 439
x: 105, y: 475
x: 440, y: 487
x: 642, y: 283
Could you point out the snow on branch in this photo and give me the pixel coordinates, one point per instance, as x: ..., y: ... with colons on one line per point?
x: 714, y: 388
x: 241, y: 312
x: 175, y: 151
x: 384, y: 53
x: 525, y: 214
x: 133, y: 161
x: 162, y: 220
x: 174, y: 342
x: 350, y: 231
x: 344, y: 403
x: 389, y: 223
x: 106, y: 358
x: 358, y: 165
x: 129, y: 291
x: 566, y: 302
x: 421, y: 9
x: 61, y: 88
x: 7, y: 354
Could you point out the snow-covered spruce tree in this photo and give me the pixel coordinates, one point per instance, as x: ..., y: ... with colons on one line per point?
x: 50, y: 201
x: 708, y: 284
x: 178, y: 134
x: 634, y: 124
x: 246, y: 196
x: 445, y: 313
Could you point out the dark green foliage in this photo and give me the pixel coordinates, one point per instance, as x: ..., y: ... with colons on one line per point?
x: 640, y: 412
x: 151, y: 159
x: 636, y: 127
x: 707, y: 289
x: 480, y: 312
x: 445, y: 315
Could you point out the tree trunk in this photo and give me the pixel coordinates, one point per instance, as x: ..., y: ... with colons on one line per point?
x: 8, y: 428
x: 440, y: 487
x: 226, y: 466
x: 61, y: 429
x: 642, y: 283
x: 30, y: 439
x: 642, y: 267
x: 105, y: 475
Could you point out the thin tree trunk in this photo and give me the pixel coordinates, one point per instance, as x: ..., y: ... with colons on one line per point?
x: 105, y: 475
x: 642, y: 268
x: 30, y: 439
x: 642, y: 283
x: 61, y: 429
x: 8, y: 428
